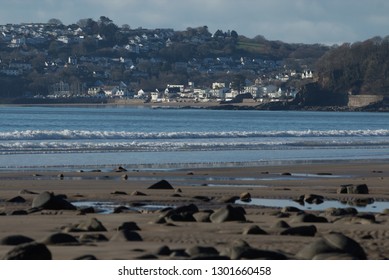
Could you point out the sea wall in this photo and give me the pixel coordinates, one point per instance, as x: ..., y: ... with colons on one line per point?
x: 356, y: 101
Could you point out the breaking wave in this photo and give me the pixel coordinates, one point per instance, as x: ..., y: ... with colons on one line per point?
x: 125, y: 135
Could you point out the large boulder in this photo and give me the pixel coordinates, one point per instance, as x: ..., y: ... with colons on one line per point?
x: 228, y: 213
x: 15, y: 240
x: 332, y: 246
x: 29, y: 251
x: 161, y: 185
x: 353, y: 189
x: 49, y: 201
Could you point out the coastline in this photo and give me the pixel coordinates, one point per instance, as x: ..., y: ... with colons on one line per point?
x: 207, y: 189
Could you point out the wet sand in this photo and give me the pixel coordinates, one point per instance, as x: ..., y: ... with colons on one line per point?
x: 169, y: 235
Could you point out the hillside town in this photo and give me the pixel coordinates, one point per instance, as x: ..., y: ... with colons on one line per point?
x: 97, y: 60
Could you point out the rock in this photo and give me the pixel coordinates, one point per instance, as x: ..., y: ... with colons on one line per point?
x: 280, y: 225
x: 202, y: 216
x: 286, y: 174
x: 29, y: 251
x: 27, y: 192
x: 60, y: 239
x: 15, y: 240
x: 124, y: 177
x: 161, y: 185
x: 16, y: 199
x: 353, y: 189
x: 137, y: 193
x: 19, y: 213
x: 341, y: 211
x: 93, y: 237
x: 87, y: 210
x: 228, y: 199
x: 300, y: 231
x: 120, y: 169
x: 49, y: 201
x: 201, y: 251
x: 132, y: 226
x: 119, y: 193
x: 308, y: 218
x: 253, y: 229
x: 288, y: 209
x: 163, y: 251
x: 242, y: 250
x: 126, y: 235
x: 92, y: 225
x: 228, y: 213
x: 330, y: 244
x: 245, y: 197
x: 313, y: 199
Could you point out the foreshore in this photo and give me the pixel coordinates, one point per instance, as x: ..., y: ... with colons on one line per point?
x: 196, y: 213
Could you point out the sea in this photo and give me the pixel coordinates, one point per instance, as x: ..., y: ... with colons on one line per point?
x: 102, y: 137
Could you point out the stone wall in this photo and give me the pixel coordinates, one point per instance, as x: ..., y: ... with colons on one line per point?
x: 356, y: 101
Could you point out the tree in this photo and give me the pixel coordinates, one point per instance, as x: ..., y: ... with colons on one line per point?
x: 55, y: 21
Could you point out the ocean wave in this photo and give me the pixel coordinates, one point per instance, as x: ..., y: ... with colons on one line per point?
x: 126, y: 135
x: 14, y: 147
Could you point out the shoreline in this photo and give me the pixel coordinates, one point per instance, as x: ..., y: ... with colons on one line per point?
x: 202, y: 191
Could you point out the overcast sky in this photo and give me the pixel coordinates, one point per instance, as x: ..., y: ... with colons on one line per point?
x: 292, y: 21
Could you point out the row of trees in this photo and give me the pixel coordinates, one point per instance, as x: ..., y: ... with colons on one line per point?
x: 359, y: 68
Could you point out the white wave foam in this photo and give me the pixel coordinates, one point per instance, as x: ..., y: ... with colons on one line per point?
x: 125, y: 135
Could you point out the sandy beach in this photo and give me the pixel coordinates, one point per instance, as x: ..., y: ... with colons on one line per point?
x: 196, y: 213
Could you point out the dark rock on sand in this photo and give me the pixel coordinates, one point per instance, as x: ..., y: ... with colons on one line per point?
x: 241, y: 250
x: 308, y: 218
x: 16, y: 199
x: 93, y: 237
x: 228, y: 213
x: 331, y: 246
x: 201, y: 251
x: 228, y: 199
x: 29, y: 251
x: 253, y: 229
x: 119, y: 193
x: 161, y: 185
x: 49, y: 201
x: 341, y: 211
x: 126, y: 235
x: 288, y: 209
x: 60, y: 239
x: 138, y: 193
x: 91, y: 225
x: 245, y: 197
x: 129, y: 226
x: 203, y: 216
x: 15, y: 240
x: 353, y: 189
x: 300, y: 231
x: 19, y: 213
x: 280, y: 225
x: 163, y: 251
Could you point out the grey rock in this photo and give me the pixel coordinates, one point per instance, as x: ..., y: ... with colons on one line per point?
x: 300, y: 231
x: 228, y: 213
x: 132, y: 226
x: 331, y: 245
x: 16, y: 199
x: 60, y: 239
x: 29, y: 251
x: 161, y: 185
x: 308, y: 218
x: 253, y: 229
x: 91, y: 225
x: 15, y: 240
x: 126, y: 235
x: 49, y: 201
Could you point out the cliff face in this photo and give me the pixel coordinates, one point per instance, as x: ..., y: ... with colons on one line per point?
x: 314, y: 95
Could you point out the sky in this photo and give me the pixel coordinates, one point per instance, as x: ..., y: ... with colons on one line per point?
x: 292, y: 21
